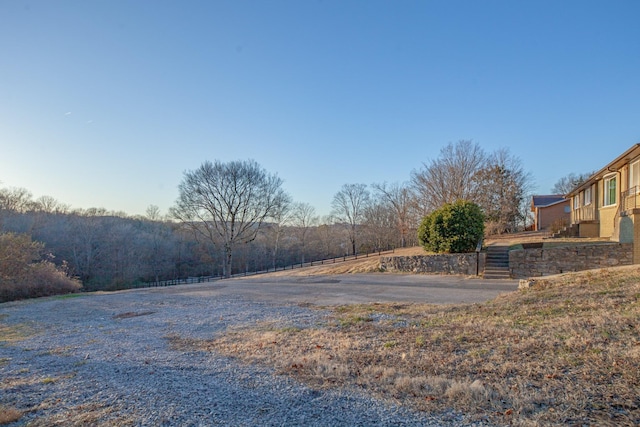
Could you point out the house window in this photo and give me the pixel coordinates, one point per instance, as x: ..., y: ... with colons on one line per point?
x: 587, y: 196
x: 576, y: 202
x: 634, y: 177
x: 610, y: 191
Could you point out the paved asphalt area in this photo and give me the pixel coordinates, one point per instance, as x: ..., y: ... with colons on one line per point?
x: 354, y: 289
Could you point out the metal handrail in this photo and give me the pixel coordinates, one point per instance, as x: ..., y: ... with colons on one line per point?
x: 629, y: 199
x: 585, y: 213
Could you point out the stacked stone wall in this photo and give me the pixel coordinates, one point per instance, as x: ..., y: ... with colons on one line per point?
x: 440, y: 264
x: 543, y: 262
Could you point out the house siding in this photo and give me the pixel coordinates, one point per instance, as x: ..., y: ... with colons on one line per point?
x: 548, y: 215
x: 636, y: 236
x: 607, y: 218
x: 619, y: 221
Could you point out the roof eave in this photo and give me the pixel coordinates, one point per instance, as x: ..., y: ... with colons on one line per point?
x: 613, y: 166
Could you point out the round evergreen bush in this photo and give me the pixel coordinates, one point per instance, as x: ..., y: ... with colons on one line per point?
x: 453, y: 228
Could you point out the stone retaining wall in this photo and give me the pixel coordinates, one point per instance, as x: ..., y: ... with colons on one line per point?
x: 442, y: 263
x: 543, y: 262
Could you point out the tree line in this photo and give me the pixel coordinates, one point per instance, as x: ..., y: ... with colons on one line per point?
x: 236, y: 217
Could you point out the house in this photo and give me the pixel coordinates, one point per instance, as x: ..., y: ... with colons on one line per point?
x: 608, y: 203
x: 550, y: 211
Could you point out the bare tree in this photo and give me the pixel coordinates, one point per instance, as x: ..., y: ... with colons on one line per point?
x: 349, y: 206
x: 48, y: 204
x: 303, y: 218
x: 567, y: 183
x: 228, y: 203
x: 505, y: 187
x: 158, y: 238
x: 279, y: 219
x: 16, y: 199
x: 380, y: 225
x: 329, y: 237
x: 401, y: 200
x: 153, y: 213
x: 450, y: 177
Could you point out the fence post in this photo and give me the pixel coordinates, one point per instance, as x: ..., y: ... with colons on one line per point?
x: 478, y: 249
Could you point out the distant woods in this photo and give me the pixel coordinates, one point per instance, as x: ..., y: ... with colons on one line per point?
x: 235, y: 217
x: 109, y: 250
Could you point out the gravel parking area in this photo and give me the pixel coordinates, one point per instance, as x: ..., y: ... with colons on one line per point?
x: 106, y: 359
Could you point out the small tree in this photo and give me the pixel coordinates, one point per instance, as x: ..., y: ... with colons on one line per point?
x: 349, y: 206
x: 454, y: 228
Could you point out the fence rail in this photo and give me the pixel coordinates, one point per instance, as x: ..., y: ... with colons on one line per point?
x: 205, y: 279
x: 629, y: 199
x: 585, y: 213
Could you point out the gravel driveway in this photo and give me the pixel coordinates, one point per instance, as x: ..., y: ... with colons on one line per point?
x: 104, y: 359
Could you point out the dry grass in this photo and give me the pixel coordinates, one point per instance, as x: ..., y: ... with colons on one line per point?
x: 90, y: 413
x: 370, y: 264
x: 566, y: 351
x: 86, y: 414
x: 130, y: 314
x: 13, y: 333
x: 9, y: 415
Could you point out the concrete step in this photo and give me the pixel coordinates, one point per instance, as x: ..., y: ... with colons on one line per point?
x: 497, y: 263
x: 494, y: 273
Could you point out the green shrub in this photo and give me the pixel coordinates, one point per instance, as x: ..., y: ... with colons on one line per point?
x: 454, y: 228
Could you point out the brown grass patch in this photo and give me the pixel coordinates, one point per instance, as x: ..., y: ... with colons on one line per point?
x: 13, y: 333
x: 364, y: 264
x: 566, y: 351
x: 87, y: 414
x: 9, y: 415
x: 130, y: 314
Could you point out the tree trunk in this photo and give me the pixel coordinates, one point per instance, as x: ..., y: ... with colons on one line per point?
x: 227, y: 261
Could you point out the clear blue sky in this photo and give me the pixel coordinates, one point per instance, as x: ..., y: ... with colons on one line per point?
x: 106, y: 103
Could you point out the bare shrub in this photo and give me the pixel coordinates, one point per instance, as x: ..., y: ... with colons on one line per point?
x: 23, y: 275
x: 558, y: 225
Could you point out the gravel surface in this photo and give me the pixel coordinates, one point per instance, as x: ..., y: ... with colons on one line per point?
x: 104, y: 359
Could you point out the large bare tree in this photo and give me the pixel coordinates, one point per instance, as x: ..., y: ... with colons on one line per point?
x: 450, y: 177
x: 228, y: 203
x: 349, y: 206
x: 505, y: 188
